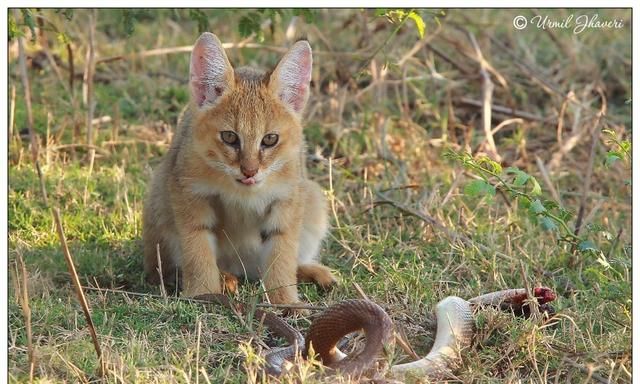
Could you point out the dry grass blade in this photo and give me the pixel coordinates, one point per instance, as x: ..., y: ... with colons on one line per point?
x: 33, y: 137
x: 12, y: 111
x: 72, y: 74
x: 595, y: 134
x: 47, y: 51
x: 199, y: 333
x: 563, y: 110
x: 530, y: 296
x: 487, y: 94
x: 78, y: 287
x: 22, y: 60
x: 92, y: 158
x: 163, y: 291
x: 88, y: 87
x: 26, y: 312
x: 88, y: 78
x: 547, y: 180
x: 574, y: 139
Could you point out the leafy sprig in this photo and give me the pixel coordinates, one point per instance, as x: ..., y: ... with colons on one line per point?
x: 520, y: 185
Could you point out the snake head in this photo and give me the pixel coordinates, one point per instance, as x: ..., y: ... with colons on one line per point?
x: 544, y: 295
x: 516, y: 301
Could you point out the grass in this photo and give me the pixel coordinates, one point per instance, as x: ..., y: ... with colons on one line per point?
x: 390, y: 138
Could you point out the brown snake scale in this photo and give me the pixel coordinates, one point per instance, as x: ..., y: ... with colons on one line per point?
x: 455, y: 331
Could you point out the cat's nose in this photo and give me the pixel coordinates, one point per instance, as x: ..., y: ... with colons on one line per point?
x: 249, y: 171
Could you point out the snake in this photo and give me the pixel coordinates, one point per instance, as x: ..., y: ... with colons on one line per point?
x: 454, y: 333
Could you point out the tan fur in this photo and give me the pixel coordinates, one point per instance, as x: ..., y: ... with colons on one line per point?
x: 205, y: 221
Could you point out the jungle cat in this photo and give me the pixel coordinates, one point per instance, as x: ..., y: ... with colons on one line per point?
x: 231, y: 194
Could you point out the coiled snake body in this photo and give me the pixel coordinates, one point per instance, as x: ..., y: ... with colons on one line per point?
x: 455, y: 330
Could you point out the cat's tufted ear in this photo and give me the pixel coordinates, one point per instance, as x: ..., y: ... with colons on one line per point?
x: 290, y: 80
x: 211, y: 74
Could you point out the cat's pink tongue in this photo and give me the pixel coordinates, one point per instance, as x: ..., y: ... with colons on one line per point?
x: 248, y: 181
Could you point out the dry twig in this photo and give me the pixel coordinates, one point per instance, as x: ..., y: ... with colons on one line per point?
x: 454, y: 236
x: 189, y: 48
x: 506, y: 110
x: 78, y: 288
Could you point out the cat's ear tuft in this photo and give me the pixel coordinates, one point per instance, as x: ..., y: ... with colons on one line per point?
x: 290, y: 80
x: 211, y: 74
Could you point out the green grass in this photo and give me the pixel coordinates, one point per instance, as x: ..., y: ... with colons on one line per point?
x: 400, y: 261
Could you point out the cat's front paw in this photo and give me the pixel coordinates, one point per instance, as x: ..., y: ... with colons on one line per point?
x: 296, y: 312
x: 288, y: 296
x: 200, y: 289
x: 283, y: 295
x: 230, y: 284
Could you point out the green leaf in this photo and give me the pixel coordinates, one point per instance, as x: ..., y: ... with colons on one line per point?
x: 309, y: 15
x: 67, y: 12
x: 537, y: 207
x: 548, y: 224
x: 272, y: 12
x: 249, y: 24
x: 380, y: 12
x: 612, y: 157
x: 63, y: 38
x: 129, y: 21
x: 550, y: 204
x: 30, y: 22
x: 479, y: 188
x: 564, y: 215
x: 201, y: 18
x: 521, y: 177
x: 595, y: 227
x: 625, y: 145
x: 526, y: 203
x: 13, y: 28
x: 490, y: 165
x: 587, y: 245
x: 417, y: 19
x: 535, y: 189
x: 396, y: 15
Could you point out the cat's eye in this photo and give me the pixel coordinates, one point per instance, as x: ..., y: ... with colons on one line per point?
x: 230, y: 138
x: 270, y: 140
